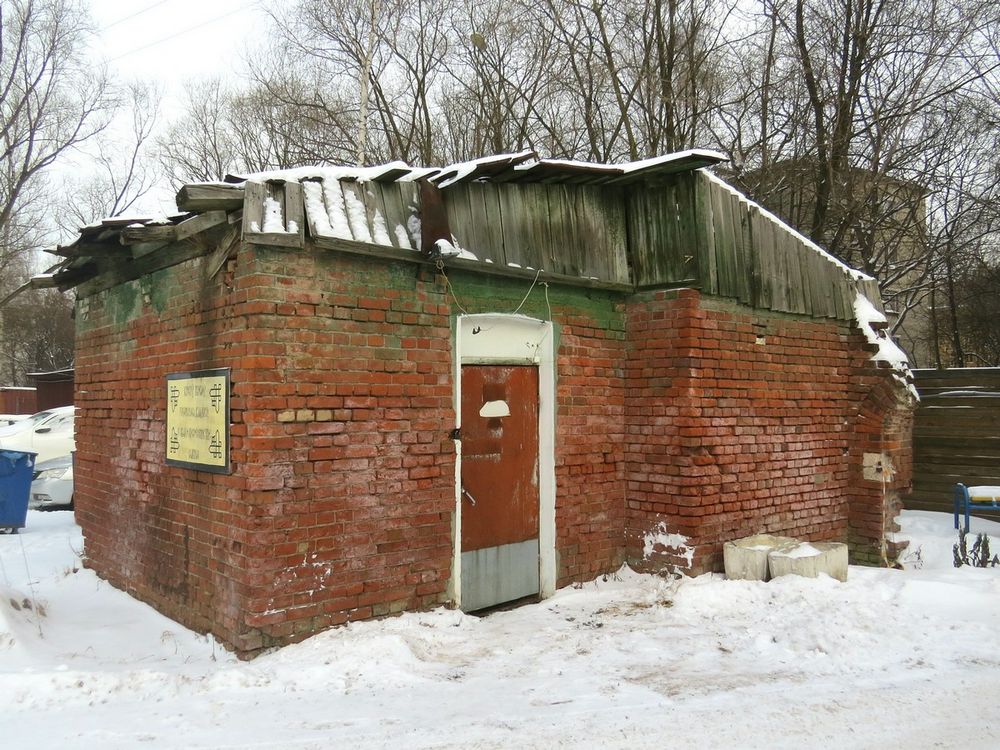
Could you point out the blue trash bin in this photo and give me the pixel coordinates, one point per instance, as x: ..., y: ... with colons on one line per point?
x: 16, y: 468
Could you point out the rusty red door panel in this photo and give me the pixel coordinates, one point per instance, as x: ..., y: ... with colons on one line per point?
x: 499, y: 456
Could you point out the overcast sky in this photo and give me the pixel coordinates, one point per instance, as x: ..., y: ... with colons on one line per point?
x: 170, y: 41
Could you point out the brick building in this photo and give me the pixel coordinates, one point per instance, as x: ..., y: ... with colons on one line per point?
x: 466, y: 386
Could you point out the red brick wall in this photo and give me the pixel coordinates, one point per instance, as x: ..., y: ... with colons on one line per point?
x: 348, y: 408
x: 340, y: 502
x: 590, y: 455
x: 170, y: 536
x: 675, y: 414
x: 881, y: 469
x: 339, y: 505
x: 741, y: 422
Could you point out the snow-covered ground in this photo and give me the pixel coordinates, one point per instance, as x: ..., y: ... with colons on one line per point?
x: 889, y: 659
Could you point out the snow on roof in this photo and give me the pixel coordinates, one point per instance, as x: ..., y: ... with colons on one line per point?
x: 870, y: 321
x: 657, y: 161
x: 633, y: 166
x: 354, y: 174
x: 521, y: 162
x: 463, y: 170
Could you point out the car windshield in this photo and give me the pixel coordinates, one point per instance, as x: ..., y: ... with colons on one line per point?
x: 27, y: 423
x: 60, y: 423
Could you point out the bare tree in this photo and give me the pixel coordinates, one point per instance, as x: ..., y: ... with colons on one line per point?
x: 386, y: 58
x: 200, y: 146
x: 498, y: 78
x: 845, y: 123
x: 841, y: 116
x: 40, y: 334
x: 123, y: 170
x: 51, y: 100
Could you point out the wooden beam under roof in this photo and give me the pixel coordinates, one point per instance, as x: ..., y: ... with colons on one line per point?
x: 74, y: 276
x: 97, y: 280
x: 81, y: 249
x: 131, y: 235
x: 199, y: 197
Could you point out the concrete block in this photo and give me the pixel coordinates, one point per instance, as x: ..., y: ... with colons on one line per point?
x: 809, y: 559
x: 746, y: 559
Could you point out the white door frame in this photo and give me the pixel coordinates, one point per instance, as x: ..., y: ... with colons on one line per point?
x: 497, y: 339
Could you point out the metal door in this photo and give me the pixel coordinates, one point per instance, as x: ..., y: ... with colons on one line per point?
x: 499, y: 484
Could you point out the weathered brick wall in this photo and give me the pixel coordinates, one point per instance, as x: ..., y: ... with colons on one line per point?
x: 173, y: 538
x: 741, y: 422
x: 590, y: 457
x: 350, y: 468
x: 881, y: 468
x: 676, y: 415
x: 341, y: 498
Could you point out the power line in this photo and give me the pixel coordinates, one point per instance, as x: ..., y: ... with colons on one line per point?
x: 133, y: 15
x: 179, y: 33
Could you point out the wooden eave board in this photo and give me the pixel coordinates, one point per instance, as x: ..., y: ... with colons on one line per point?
x: 392, y: 175
x: 513, y: 225
x: 483, y: 170
x: 725, y: 244
x: 738, y: 218
x: 548, y: 172
x: 667, y: 239
x: 538, y: 220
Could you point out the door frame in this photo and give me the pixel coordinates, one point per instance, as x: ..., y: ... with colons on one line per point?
x: 499, y: 339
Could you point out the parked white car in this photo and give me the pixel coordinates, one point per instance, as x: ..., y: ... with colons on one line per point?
x: 48, y: 433
x: 52, y: 486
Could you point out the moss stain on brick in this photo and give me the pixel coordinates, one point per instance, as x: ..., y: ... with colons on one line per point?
x: 157, y: 288
x: 123, y: 302
x: 494, y: 294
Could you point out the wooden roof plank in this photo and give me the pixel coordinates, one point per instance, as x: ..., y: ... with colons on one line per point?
x: 253, y: 207
x: 294, y: 214
x: 200, y: 223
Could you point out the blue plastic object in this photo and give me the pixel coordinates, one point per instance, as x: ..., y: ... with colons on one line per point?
x: 16, y: 468
x: 967, y: 498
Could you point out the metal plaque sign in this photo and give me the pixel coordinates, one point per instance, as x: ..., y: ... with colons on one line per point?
x: 198, y: 420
